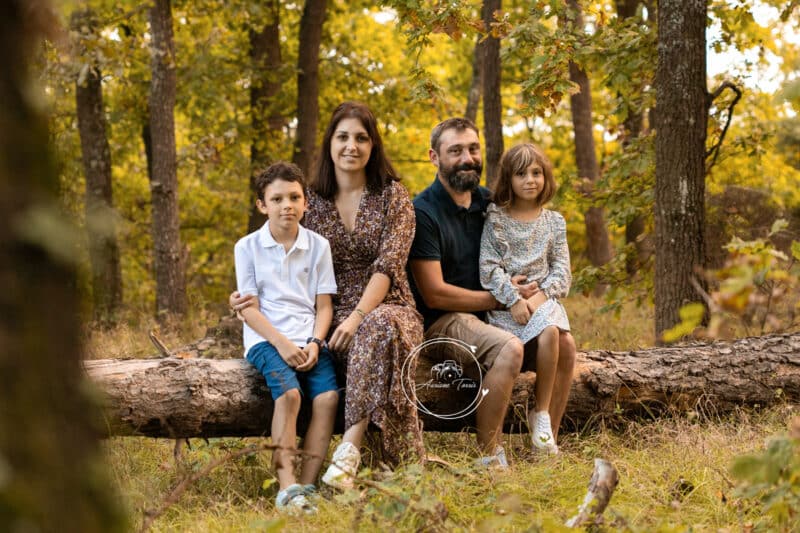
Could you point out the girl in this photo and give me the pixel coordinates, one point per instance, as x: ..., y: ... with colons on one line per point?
x: 521, y: 237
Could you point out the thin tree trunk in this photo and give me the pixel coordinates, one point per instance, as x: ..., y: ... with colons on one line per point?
x: 196, y: 397
x: 50, y: 479
x: 311, y: 22
x: 475, y: 88
x: 169, y: 254
x: 96, y: 155
x: 680, y: 145
x: 598, y: 244
x: 492, y: 100
x: 633, y: 125
x: 267, y: 121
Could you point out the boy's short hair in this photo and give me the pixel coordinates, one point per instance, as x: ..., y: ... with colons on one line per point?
x: 456, y: 123
x: 281, y: 170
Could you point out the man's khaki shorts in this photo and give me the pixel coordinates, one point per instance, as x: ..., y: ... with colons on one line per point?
x: 488, y: 340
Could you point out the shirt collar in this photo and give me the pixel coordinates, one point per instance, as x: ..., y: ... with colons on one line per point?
x: 445, y: 199
x: 268, y: 241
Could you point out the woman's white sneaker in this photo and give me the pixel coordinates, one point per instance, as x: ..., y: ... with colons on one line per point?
x: 342, y: 472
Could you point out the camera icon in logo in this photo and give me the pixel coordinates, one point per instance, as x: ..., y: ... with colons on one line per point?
x: 446, y: 371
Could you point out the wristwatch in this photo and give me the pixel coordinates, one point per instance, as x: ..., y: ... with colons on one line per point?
x: 319, y: 342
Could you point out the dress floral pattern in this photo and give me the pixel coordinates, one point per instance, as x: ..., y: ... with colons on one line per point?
x: 537, y: 249
x: 380, y: 241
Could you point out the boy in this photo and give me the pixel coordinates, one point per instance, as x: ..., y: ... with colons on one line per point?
x: 290, y: 269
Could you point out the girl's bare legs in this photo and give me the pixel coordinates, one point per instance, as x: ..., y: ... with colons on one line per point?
x: 546, y: 366
x: 284, y: 435
x: 563, y: 382
x: 318, y: 436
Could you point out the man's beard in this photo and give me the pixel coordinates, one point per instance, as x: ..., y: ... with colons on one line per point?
x: 462, y: 178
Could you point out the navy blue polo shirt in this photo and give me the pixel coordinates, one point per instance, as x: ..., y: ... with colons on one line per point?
x: 450, y: 234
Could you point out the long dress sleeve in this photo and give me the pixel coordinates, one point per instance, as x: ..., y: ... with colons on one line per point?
x: 557, y: 283
x: 397, y: 234
x: 493, y: 273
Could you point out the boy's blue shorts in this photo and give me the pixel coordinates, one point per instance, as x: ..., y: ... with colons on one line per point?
x: 281, y: 377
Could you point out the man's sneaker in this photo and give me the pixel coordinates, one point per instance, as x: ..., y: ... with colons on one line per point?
x: 498, y: 460
x: 344, y: 467
x: 542, y: 433
x: 292, y: 500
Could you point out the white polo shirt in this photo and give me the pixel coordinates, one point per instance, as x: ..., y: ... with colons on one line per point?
x: 287, y: 283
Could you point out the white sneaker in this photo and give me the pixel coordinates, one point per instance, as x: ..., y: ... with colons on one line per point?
x: 292, y: 500
x: 344, y: 467
x: 542, y: 433
x: 498, y: 460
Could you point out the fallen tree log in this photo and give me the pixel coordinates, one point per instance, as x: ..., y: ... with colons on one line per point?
x: 189, y: 396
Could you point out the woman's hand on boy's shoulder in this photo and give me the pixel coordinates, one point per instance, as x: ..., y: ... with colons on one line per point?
x: 238, y: 303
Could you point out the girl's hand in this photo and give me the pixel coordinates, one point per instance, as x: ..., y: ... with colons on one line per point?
x: 312, y: 356
x: 343, y: 335
x: 292, y: 354
x: 536, y: 300
x: 526, y: 290
x: 520, y: 312
x: 239, y: 302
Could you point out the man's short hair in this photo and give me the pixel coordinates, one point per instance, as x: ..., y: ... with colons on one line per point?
x: 456, y: 123
x: 278, y: 171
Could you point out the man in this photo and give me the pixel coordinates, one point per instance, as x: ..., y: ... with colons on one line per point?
x: 443, y: 263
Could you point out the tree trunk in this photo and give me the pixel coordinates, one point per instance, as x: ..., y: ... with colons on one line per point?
x: 187, y: 396
x: 169, y: 254
x: 598, y: 245
x: 308, y: 83
x: 50, y: 479
x: 492, y: 98
x: 267, y: 121
x: 474, y: 95
x: 680, y: 145
x: 100, y: 216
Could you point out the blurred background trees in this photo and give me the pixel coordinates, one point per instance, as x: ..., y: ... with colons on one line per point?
x: 249, y: 75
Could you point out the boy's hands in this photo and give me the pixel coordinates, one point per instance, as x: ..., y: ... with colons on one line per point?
x: 292, y: 354
x: 312, y: 356
x: 520, y: 312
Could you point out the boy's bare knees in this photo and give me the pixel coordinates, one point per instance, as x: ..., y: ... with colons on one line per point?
x: 328, y: 401
x: 290, y: 399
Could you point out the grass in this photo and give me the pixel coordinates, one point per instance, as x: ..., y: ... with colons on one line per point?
x: 674, y: 472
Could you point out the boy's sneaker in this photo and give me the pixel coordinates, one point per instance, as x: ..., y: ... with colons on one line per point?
x: 292, y: 500
x: 498, y: 460
x: 344, y: 467
x: 542, y: 436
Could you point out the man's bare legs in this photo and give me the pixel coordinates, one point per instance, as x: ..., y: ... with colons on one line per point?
x: 318, y: 436
x: 500, y: 382
x: 563, y: 381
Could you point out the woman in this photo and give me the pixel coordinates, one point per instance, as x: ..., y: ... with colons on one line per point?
x: 357, y: 204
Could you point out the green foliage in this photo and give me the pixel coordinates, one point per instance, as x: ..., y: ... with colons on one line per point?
x: 756, y: 289
x: 772, y: 478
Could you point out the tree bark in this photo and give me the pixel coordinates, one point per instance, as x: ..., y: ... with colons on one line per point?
x: 680, y: 152
x: 310, y: 37
x: 475, y: 88
x: 188, y: 396
x: 598, y: 245
x: 267, y: 121
x: 169, y: 254
x: 492, y: 98
x: 101, y: 219
x: 50, y: 479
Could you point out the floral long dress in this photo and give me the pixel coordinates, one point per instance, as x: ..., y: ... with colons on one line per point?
x: 380, y: 241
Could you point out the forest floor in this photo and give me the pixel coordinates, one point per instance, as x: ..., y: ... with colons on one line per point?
x: 675, y: 473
